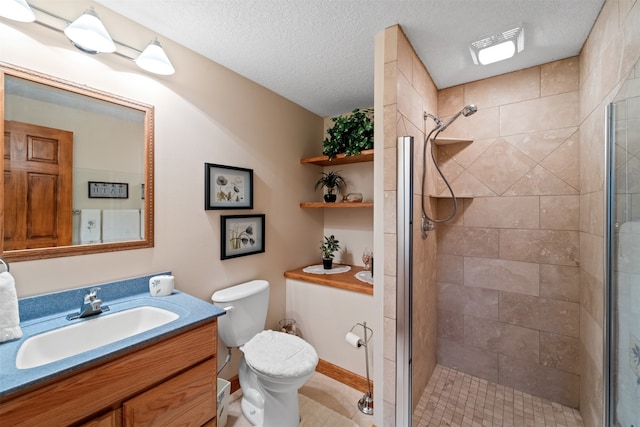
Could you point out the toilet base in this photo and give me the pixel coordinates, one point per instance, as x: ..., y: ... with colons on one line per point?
x: 252, y: 412
x: 268, y: 403
x: 278, y: 413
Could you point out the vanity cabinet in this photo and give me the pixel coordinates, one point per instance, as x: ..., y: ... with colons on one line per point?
x: 171, y: 382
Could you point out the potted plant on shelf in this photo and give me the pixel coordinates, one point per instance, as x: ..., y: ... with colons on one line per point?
x: 332, y: 181
x: 328, y: 247
x: 349, y: 134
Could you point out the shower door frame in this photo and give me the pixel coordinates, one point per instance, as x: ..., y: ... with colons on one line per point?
x: 609, y: 232
x: 404, y: 281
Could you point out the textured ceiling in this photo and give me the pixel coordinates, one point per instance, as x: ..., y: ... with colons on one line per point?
x: 320, y: 53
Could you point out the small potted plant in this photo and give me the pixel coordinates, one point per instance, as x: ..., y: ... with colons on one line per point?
x: 328, y: 247
x: 331, y: 181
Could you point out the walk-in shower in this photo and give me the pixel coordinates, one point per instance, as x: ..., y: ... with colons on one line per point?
x: 428, y: 222
x: 406, y: 257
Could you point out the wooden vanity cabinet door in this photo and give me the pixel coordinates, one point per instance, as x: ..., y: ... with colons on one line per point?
x: 110, y: 419
x: 188, y: 399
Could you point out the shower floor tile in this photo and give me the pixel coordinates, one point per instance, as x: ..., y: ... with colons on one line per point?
x: 456, y: 399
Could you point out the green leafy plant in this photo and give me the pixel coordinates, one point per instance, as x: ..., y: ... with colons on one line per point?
x: 331, y: 181
x: 350, y: 134
x: 329, y: 246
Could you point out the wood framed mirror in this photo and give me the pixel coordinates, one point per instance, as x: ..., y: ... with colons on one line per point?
x: 78, y: 168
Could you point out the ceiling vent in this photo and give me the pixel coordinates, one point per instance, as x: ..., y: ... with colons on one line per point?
x: 498, y: 47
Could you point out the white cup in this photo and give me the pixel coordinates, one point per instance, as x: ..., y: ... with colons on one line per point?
x: 161, y: 286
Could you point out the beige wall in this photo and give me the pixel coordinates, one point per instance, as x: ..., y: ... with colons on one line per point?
x: 612, y: 49
x: 508, y: 292
x: 408, y: 93
x: 203, y: 113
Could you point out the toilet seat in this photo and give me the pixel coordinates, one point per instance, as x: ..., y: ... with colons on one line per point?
x: 278, y: 354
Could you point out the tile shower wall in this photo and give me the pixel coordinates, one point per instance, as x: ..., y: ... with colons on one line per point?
x: 408, y: 92
x: 607, y: 58
x: 539, y: 126
x: 508, y: 276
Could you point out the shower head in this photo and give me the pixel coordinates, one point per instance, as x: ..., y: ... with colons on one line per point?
x: 466, y: 111
x: 469, y: 110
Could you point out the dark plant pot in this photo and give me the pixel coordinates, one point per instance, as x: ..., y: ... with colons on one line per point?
x: 327, y: 263
x: 330, y: 198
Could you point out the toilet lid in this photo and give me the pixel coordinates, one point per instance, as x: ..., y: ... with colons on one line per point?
x: 280, y: 355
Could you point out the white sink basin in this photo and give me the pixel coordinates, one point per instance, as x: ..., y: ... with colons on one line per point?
x: 89, y: 334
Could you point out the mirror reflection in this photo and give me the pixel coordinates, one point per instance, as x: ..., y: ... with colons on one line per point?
x: 75, y: 170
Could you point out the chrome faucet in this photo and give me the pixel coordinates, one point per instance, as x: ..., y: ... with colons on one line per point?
x: 91, y: 306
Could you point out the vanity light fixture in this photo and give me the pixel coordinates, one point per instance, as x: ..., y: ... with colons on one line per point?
x: 154, y: 60
x: 88, y: 34
x: 17, y: 10
x: 498, y: 47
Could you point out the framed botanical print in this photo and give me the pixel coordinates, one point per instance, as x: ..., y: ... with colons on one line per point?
x: 241, y: 235
x: 227, y: 187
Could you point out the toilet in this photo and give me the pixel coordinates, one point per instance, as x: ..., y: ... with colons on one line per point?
x: 274, y: 365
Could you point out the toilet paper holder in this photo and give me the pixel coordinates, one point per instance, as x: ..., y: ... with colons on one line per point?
x: 367, y: 338
x: 365, y: 404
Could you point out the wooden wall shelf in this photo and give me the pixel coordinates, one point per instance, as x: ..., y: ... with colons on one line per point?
x: 337, y: 205
x: 340, y: 159
x: 347, y: 280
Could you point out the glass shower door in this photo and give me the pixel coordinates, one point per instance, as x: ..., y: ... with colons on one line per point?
x: 623, y: 262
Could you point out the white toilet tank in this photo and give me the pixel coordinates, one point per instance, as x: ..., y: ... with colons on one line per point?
x: 246, y: 305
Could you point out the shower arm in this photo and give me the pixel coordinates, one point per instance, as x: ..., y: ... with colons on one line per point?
x: 439, y: 122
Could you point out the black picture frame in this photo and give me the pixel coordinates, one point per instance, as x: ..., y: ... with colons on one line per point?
x: 108, y: 190
x: 227, y: 187
x: 241, y: 235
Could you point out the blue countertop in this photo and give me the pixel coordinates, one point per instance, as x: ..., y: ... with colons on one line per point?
x: 46, y: 312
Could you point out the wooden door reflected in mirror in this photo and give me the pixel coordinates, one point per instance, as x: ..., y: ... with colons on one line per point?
x: 60, y: 139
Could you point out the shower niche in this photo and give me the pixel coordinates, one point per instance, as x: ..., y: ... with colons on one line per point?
x: 449, y: 141
x: 464, y: 184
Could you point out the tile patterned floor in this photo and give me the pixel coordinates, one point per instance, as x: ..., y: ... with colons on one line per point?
x: 456, y: 399
x: 324, y: 390
x: 452, y: 399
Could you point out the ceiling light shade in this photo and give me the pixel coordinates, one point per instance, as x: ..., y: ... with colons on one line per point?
x: 497, y: 47
x: 88, y: 34
x: 17, y: 10
x: 497, y: 52
x: 154, y: 60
